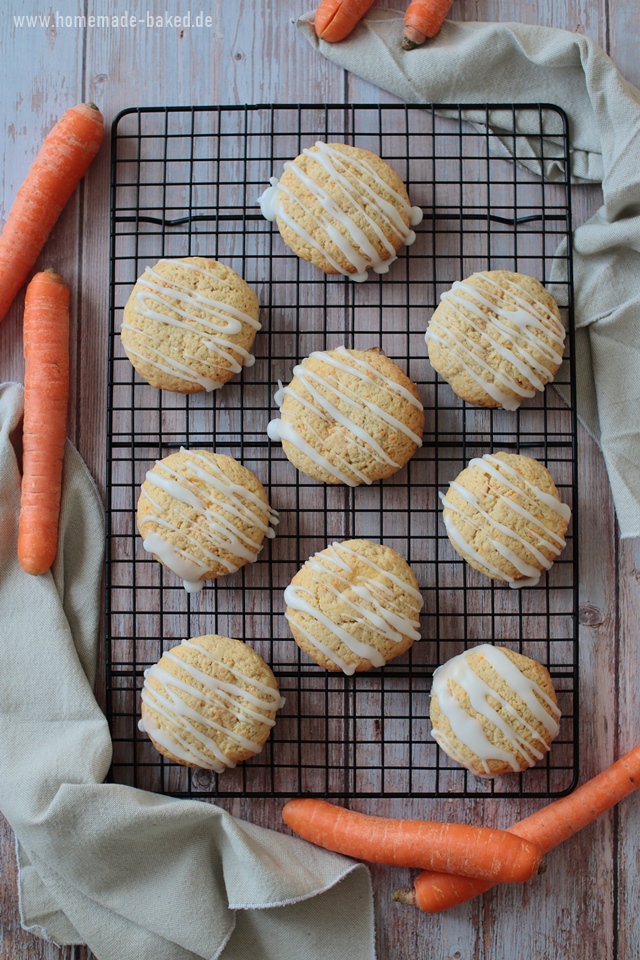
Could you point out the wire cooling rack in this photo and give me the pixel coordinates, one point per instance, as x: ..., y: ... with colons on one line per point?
x: 186, y: 182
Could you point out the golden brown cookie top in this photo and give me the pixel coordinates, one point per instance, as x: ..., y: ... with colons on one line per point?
x: 209, y: 702
x: 354, y: 605
x: 504, y: 516
x: 496, y: 338
x: 203, y: 515
x: 342, y: 208
x: 349, y: 416
x: 189, y: 324
x: 493, y: 710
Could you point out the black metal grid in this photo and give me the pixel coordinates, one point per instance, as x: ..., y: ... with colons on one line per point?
x: 185, y: 181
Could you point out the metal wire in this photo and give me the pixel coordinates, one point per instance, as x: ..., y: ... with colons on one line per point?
x: 185, y: 181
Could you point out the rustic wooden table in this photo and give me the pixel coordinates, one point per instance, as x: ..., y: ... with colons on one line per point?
x: 586, y: 906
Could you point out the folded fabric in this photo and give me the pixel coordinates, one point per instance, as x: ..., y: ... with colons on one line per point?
x: 130, y: 873
x: 517, y: 63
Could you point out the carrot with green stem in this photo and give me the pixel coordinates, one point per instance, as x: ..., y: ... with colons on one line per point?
x: 422, y: 21
x: 549, y: 827
x: 62, y: 161
x: 335, y: 19
x: 449, y: 847
x: 46, y: 393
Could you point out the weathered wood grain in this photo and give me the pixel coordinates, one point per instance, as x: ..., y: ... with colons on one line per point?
x: 623, y: 24
x: 626, y: 820
x: 250, y: 55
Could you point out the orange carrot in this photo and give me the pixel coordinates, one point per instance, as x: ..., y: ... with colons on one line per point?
x: 455, y: 848
x: 61, y: 163
x: 548, y: 828
x: 46, y: 392
x: 335, y: 19
x: 423, y: 20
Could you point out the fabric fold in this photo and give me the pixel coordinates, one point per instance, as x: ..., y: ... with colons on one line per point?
x: 128, y: 872
x: 504, y: 63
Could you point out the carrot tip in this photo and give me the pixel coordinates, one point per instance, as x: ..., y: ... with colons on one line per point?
x: 405, y: 895
x: 542, y: 868
x: 34, y: 568
x: 412, y: 37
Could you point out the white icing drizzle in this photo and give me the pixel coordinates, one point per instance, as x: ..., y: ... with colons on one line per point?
x: 490, y: 464
x: 373, y: 606
x: 176, y: 369
x: 219, y: 321
x: 528, y: 326
x: 357, y: 198
x: 216, y: 532
x: 547, y: 538
x: 190, y: 570
x: 241, y: 703
x: 469, y: 730
x: 322, y: 407
x: 365, y: 371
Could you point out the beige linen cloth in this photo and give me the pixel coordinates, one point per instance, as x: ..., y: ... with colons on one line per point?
x: 517, y: 63
x: 134, y: 875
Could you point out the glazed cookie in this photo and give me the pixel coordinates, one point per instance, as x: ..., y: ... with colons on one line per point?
x: 203, y: 515
x: 504, y: 516
x: 496, y: 338
x: 189, y: 324
x: 354, y: 606
x: 493, y: 710
x: 210, y: 703
x: 342, y: 208
x: 348, y: 416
